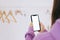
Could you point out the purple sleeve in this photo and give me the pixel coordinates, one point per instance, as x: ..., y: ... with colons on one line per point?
x: 30, y: 34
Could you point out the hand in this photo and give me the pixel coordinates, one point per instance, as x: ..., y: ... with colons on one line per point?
x: 42, y: 27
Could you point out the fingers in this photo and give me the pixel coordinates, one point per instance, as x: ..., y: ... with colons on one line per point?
x: 31, y: 24
x: 42, y: 27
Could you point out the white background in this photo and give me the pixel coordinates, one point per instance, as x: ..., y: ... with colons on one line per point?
x: 16, y: 31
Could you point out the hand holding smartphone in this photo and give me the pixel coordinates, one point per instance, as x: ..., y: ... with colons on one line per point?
x: 36, y: 22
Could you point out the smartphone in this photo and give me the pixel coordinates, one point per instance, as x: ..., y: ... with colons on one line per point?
x: 36, y: 22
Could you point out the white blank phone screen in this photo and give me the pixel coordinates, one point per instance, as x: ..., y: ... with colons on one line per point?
x: 36, y: 25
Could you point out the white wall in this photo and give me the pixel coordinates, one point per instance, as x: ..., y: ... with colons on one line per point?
x: 16, y: 31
